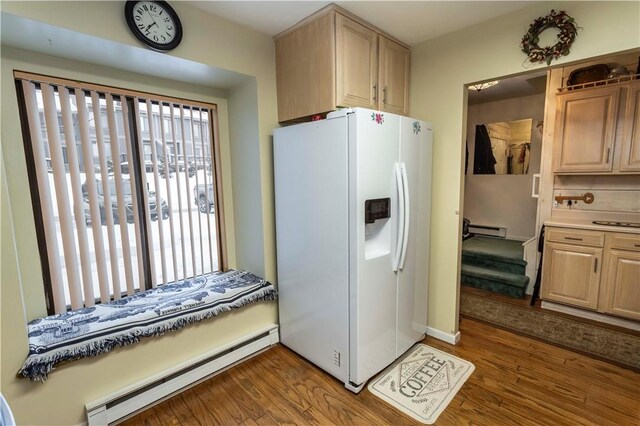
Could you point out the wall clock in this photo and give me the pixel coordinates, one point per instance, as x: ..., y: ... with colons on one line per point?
x: 154, y: 23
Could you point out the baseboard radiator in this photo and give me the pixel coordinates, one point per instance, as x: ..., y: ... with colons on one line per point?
x: 491, y: 231
x: 121, y: 404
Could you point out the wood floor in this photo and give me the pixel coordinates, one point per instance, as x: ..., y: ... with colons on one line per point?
x: 517, y: 381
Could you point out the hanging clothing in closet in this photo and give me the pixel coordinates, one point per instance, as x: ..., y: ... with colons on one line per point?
x: 483, y: 160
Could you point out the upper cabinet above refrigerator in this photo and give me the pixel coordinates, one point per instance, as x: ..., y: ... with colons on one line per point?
x: 333, y: 59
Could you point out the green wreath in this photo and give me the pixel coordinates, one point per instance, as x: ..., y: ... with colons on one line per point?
x: 555, y: 19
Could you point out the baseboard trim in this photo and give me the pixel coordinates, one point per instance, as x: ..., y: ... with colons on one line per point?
x: 594, y: 316
x: 443, y: 335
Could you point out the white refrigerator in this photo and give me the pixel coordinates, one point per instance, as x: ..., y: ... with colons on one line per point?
x: 352, y: 196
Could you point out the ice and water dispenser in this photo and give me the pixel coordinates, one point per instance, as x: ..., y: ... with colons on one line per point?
x: 377, y: 228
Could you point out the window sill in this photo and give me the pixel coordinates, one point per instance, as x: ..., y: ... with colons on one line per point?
x: 88, y: 332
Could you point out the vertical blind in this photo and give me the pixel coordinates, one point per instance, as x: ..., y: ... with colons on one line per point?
x: 126, y: 187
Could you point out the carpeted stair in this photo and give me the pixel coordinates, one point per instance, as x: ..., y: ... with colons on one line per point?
x: 494, y: 264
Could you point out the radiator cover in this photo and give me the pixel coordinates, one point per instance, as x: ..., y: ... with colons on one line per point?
x: 122, y: 404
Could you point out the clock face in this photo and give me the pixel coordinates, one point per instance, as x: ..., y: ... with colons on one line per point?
x: 155, y: 23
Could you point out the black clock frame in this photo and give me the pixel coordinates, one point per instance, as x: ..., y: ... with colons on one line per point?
x: 128, y: 14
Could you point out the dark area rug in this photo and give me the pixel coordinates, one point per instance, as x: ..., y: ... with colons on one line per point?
x: 590, y: 339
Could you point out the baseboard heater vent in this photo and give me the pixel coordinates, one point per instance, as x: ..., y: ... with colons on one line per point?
x: 490, y: 231
x: 119, y: 405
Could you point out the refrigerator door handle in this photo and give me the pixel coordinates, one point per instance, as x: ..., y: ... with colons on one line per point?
x: 401, y: 224
x: 407, y: 214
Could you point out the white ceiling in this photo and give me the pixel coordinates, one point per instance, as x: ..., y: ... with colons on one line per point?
x: 533, y: 83
x: 409, y: 21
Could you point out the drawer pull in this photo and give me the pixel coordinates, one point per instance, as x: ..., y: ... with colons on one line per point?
x: 637, y: 245
x: 573, y: 238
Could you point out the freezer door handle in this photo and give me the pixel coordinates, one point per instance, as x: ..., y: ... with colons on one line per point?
x: 407, y: 213
x: 399, y: 186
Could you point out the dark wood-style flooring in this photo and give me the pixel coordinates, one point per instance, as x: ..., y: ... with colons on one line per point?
x: 517, y: 381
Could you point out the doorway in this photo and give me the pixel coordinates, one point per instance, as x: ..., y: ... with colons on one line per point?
x: 504, y: 145
x: 502, y: 219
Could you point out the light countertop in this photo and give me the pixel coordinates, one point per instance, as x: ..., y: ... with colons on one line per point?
x: 588, y: 224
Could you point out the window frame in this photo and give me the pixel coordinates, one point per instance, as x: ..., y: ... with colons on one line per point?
x: 137, y: 146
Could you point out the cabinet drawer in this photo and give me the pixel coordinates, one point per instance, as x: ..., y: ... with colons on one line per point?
x: 625, y: 241
x: 575, y: 236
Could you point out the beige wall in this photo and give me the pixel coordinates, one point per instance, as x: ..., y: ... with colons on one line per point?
x: 246, y: 153
x: 440, y: 68
x: 504, y: 200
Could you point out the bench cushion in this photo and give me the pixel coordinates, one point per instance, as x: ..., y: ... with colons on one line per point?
x: 94, y: 330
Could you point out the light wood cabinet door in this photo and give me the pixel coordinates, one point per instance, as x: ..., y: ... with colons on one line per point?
x: 630, y: 147
x: 393, y: 76
x: 571, y: 274
x: 305, y: 70
x: 586, y: 130
x: 621, y: 292
x: 356, y: 64
x: 333, y: 59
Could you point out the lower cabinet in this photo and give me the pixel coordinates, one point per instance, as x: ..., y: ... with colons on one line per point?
x: 572, y: 274
x: 620, y: 294
x: 593, y: 270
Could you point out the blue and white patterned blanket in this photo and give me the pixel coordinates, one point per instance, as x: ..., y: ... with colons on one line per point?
x: 91, y: 331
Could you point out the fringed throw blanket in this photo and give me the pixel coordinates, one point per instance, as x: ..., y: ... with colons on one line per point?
x: 91, y: 331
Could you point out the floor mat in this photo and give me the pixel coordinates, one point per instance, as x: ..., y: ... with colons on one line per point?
x: 587, y: 338
x: 422, y: 382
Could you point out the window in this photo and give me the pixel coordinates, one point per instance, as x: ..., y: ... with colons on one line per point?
x: 117, y: 211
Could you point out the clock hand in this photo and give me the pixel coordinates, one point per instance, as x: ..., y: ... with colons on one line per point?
x: 154, y: 21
